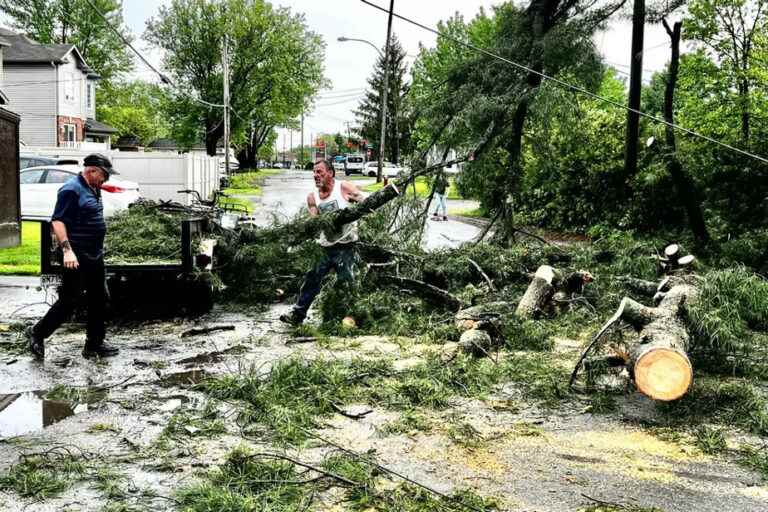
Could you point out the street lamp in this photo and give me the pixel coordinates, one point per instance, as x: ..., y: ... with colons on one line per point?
x: 343, y: 39
x: 383, y: 107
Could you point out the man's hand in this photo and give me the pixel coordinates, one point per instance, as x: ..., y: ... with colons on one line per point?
x: 351, y: 193
x: 70, y: 260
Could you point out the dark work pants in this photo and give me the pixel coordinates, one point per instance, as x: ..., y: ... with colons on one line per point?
x: 343, y: 258
x: 89, y: 277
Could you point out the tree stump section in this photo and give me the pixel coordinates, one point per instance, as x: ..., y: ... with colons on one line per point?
x: 539, y: 292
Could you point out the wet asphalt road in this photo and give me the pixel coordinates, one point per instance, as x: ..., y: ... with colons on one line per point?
x: 284, y: 195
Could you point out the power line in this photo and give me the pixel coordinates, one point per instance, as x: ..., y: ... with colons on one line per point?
x: 163, y: 78
x: 568, y: 85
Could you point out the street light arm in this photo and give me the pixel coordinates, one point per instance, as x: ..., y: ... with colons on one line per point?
x: 343, y: 39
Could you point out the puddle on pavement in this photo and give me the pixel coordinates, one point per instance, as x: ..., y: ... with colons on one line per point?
x: 187, y: 378
x: 22, y: 413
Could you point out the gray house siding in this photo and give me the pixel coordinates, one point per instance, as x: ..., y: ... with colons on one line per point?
x: 31, y: 89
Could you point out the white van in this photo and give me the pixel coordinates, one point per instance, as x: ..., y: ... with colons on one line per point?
x: 354, y: 164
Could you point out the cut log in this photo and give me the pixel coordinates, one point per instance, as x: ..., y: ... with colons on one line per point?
x: 671, y: 251
x: 659, y: 363
x: 539, y: 292
x: 476, y: 342
x: 685, y: 260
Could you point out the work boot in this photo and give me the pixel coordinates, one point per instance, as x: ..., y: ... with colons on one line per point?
x: 292, y: 318
x: 99, y: 350
x: 36, y: 343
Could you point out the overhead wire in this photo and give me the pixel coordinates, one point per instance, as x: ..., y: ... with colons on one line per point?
x: 567, y: 85
x: 162, y: 76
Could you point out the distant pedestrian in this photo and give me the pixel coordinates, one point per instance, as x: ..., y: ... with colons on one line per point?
x: 79, y: 227
x: 440, y: 186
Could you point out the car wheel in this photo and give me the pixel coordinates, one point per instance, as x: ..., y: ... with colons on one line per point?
x: 371, y: 174
x: 347, y: 173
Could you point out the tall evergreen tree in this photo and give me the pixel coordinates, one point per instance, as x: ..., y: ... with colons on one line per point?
x: 398, y: 131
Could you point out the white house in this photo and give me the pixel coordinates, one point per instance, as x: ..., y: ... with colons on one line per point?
x: 53, y: 90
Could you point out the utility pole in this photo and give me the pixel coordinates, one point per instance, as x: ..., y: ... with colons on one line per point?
x: 635, y: 89
x: 384, y: 95
x: 283, y: 150
x: 290, y: 148
x: 301, y: 145
x: 225, y: 69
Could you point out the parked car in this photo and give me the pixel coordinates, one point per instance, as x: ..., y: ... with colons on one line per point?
x: 354, y: 164
x: 338, y: 163
x: 40, y: 185
x: 37, y: 160
x: 389, y: 169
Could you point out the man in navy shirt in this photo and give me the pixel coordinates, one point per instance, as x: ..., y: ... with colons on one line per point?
x: 79, y: 227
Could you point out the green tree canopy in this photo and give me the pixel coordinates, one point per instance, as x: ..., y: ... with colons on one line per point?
x: 275, y: 67
x: 135, y: 108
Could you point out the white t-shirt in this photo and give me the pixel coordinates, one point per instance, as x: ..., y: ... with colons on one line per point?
x: 335, y: 201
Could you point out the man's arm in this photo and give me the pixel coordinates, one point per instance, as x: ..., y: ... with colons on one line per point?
x: 313, y: 211
x: 65, y: 211
x: 351, y: 193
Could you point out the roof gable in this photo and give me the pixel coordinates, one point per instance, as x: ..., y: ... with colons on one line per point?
x: 22, y: 49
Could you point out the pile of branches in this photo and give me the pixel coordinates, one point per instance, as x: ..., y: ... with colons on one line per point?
x: 144, y: 232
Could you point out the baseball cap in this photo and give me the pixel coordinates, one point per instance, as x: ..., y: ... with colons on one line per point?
x: 101, y: 161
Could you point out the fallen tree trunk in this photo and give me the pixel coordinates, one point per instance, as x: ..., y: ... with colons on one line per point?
x: 658, y: 363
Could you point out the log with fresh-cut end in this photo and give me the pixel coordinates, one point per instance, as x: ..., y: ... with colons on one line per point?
x: 671, y: 250
x: 686, y: 260
x: 662, y: 373
x: 658, y: 363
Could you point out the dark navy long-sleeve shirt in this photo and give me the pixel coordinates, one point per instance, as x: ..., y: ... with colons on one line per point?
x: 82, y: 212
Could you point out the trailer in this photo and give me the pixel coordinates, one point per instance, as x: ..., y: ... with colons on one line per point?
x: 152, y: 290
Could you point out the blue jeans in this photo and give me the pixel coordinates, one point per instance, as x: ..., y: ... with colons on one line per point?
x: 440, y: 198
x: 342, y: 258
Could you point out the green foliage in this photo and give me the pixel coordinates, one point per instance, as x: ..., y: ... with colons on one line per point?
x: 43, y: 475
x: 134, y: 108
x: 246, y: 483
x: 202, y: 422
x: 526, y: 334
x: 735, y: 403
x: 710, y: 440
x: 74, y: 22
x: 410, y: 420
x: 729, y: 319
x: 143, y: 233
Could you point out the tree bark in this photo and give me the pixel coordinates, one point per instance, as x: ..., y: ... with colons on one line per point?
x: 635, y: 90
x: 539, y: 292
x: 687, y: 192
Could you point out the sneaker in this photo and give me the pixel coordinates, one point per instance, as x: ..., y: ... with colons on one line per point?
x: 445, y: 217
x: 36, y: 344
x: 99, y: 350
x: 292, y: 318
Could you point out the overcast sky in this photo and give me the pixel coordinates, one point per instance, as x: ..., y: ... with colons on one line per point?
x: 348, y: 64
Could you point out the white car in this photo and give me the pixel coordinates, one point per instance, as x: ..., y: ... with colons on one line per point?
x: 354, y: 164
x: 40, y: 185
x: 389, y: 170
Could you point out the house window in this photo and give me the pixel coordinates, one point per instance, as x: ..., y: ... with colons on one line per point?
x: 70, y: 133
x: 69, y: 88
x: 91, y: 91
